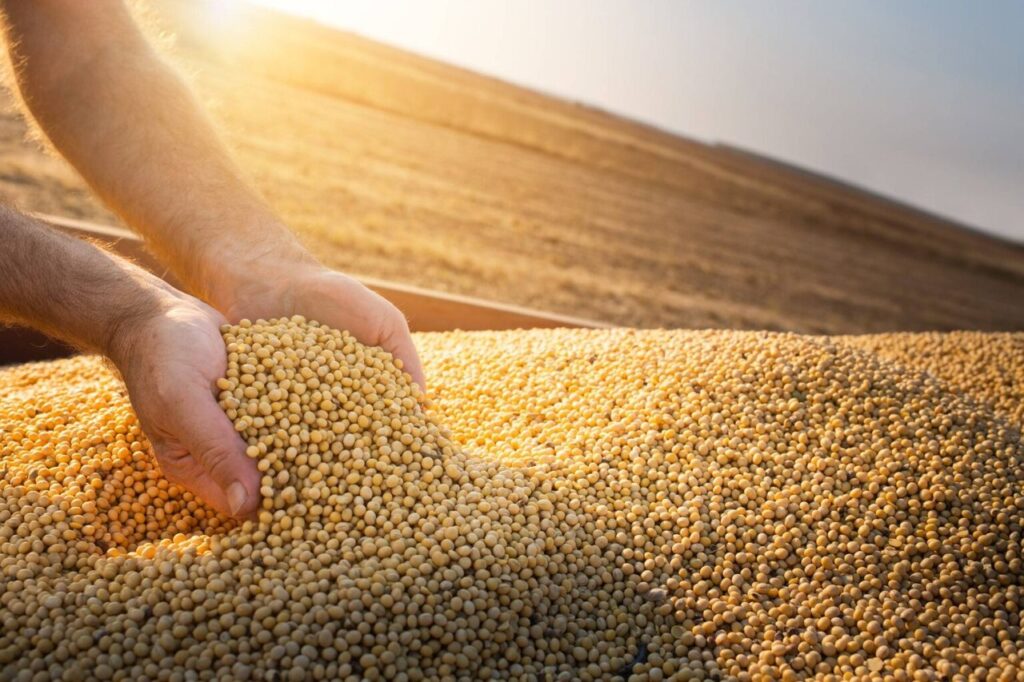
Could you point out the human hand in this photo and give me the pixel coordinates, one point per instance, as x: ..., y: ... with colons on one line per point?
x: 290, y: 287
x: 170, y: 359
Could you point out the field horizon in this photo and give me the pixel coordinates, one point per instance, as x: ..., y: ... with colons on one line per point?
x: 396, y: 166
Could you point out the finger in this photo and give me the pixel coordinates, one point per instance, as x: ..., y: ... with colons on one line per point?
x: 399, y: 343
x: 405, y: 351
x: 184, y: 470
x: 210, y: 438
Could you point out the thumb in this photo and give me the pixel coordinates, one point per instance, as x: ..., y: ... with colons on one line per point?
x: 212, y: 441
x: 397, y: 340
x: 402, y: 347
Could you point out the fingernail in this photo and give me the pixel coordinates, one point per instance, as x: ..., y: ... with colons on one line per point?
x: 236, y: 497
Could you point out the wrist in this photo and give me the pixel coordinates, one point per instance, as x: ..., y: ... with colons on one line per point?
x: 264, y: 272
x: 123, y: 331
x: 130, y: 323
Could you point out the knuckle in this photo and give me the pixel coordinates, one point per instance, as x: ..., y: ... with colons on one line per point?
x: 218, y: 460
x: 176, y: 464
x: 394, y: 322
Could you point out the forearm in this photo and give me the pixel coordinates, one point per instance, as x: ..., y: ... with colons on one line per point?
x: 134, y: 131
x: 165, y: 344
x: 70, y: 289
x: 132, y: 128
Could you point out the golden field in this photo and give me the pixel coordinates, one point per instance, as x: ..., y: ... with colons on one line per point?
x: 396, y: 166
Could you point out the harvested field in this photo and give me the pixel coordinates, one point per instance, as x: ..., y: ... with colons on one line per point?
x: 601, y: 504
x: 399, y: 167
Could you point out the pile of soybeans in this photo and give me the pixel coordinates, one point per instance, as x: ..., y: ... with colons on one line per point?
x: 567, y: 505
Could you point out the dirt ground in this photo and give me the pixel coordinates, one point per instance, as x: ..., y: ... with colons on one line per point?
x: 395, y: 166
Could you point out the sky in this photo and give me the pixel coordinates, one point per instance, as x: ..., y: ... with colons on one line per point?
x: 920, y: 100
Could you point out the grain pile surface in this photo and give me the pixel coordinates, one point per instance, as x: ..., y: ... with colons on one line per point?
x: 615, y: 504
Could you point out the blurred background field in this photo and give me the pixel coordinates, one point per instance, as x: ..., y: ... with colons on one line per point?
x: 396, y: 166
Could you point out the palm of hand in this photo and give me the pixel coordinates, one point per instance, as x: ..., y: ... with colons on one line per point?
x: 176, y: 357
x: 171, y: 379
x: 338, y: 301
